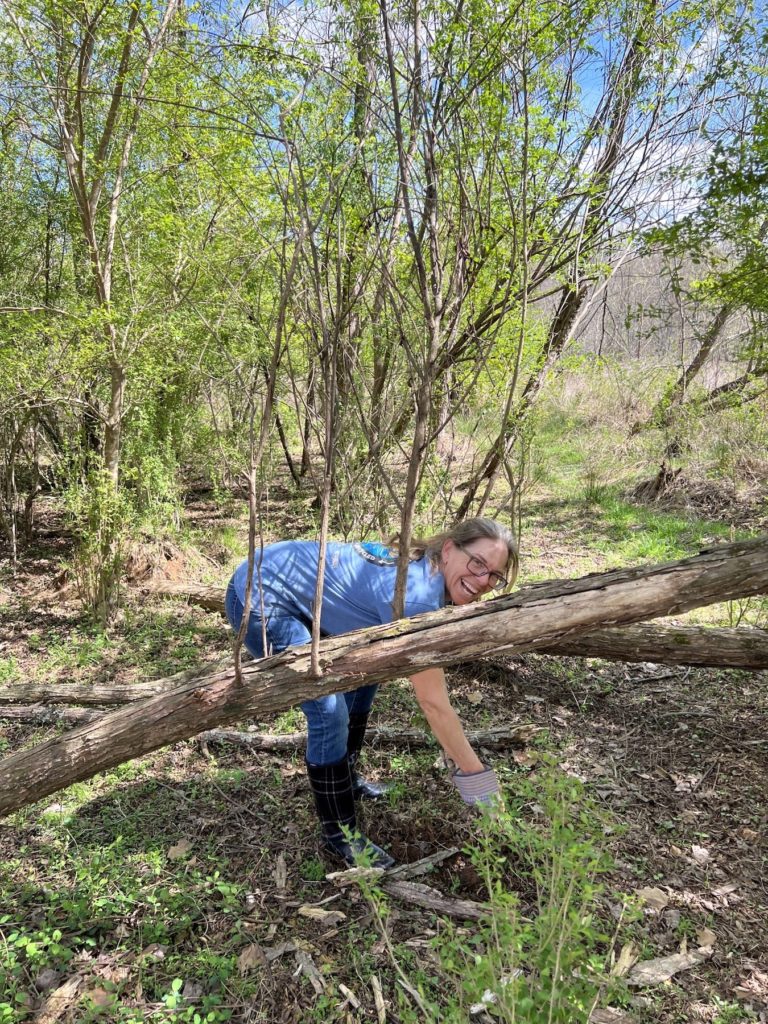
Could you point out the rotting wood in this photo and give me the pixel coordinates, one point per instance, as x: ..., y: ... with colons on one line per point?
x: 423, y: 866
x: 397, y: 883
x: 425, y: 896
x: 79, y: 693
x: 519, y: 621
x: 491, y: 739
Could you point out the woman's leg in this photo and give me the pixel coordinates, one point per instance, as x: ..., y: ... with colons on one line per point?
x: 327, y: 728
x: 359, y: 703
x: 328, y: 768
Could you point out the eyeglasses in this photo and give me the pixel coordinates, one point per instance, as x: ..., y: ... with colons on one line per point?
x: 478, y: 568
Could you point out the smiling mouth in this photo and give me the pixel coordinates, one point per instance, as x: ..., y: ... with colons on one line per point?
x: 467, y: 589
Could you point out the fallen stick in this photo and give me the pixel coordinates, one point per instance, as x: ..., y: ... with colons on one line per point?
x: 397, y: 883
x: 425, y: 896
x: 502, y: 736
x: 423, y: 866
x: 40, y: 714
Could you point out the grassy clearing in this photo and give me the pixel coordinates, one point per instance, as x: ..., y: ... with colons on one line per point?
x: 148, y: 643
x: 579, y: 514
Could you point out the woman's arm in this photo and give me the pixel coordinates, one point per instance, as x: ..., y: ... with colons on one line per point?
x: 432, y: 695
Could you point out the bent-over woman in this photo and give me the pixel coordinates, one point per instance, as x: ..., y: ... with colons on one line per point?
x: 456, y: 567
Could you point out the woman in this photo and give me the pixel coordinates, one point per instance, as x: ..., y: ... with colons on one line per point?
x: 456, y: 567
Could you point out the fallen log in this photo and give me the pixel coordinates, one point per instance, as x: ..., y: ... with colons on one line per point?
x: 209, y: 598
x: 503, y: 736
x: 101, y: 693
x: 703, y: 646
x: 84, y: 694
x: 530, y: 620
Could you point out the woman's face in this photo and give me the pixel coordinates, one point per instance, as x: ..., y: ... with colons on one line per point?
x: 463, y: 586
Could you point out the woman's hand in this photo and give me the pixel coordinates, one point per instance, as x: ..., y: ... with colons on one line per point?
x: 477, y: 787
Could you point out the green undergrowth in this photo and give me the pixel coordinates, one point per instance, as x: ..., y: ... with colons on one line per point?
x: 585, y: 463
x: 136, y: 887
x: 148, y: 643
x: 612, y: 532
x: 544, y: 950
x: 128, y: 882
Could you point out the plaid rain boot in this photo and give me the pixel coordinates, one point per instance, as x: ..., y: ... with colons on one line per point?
x: 362, y: 789
x: 331, y: 786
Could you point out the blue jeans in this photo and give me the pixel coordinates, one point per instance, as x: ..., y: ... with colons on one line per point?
x: 327, y: 717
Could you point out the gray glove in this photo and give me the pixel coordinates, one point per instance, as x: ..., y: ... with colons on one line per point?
x: 476, y: 787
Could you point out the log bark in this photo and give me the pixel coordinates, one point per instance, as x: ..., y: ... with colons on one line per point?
x: 535, y: 619
x: 99, y: 693
x: 80, y: 693
x: 41, y: 714
x: 425, y: 896
x: 210, y: 598
x: 703, y: 646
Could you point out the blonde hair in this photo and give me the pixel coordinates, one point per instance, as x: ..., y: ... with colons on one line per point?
x: 463, y: 533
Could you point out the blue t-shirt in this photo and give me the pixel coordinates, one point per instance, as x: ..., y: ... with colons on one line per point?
x: 358, y: 588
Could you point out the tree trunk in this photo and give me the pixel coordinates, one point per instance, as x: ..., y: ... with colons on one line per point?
x: 662, y: 413
x: 535, y: 619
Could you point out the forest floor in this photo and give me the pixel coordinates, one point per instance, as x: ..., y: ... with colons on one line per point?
x: 189, y: 885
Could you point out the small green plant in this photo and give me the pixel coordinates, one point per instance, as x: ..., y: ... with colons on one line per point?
x: 290, y: 721
x: 312, y: 870
x: 9, y: 670
x: 732, y: 1013
x: 594, y: 487
x: 173, y: 999
x: 396, y: 793
x: 541, y: 953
